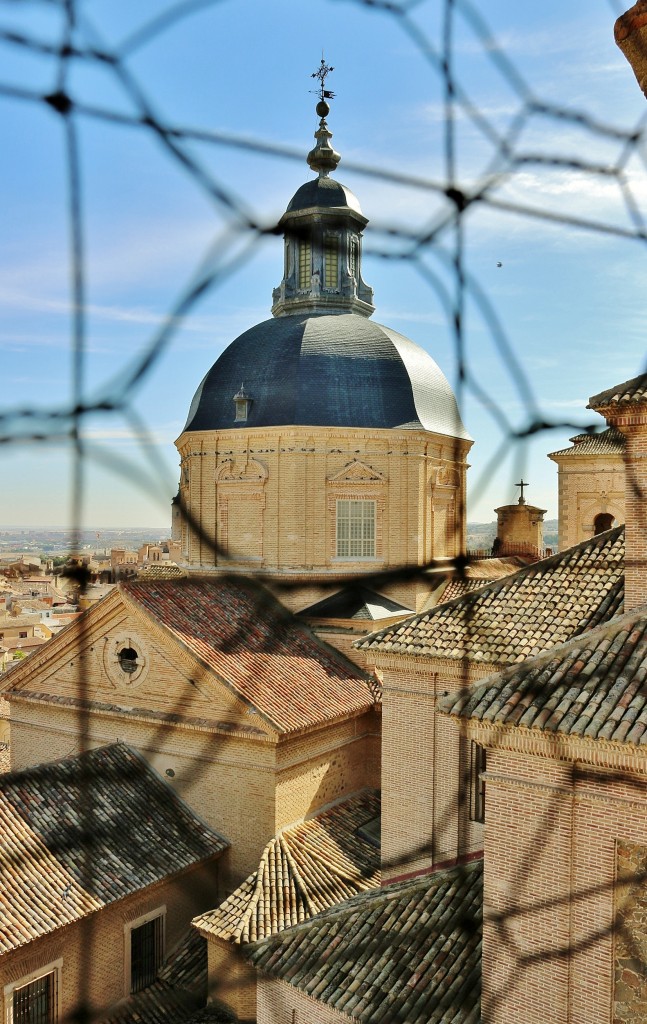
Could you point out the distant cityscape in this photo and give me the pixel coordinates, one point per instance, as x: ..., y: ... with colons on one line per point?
x: 53, y: 543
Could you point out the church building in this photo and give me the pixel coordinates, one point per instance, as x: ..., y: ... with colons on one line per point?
x: 333, y: 818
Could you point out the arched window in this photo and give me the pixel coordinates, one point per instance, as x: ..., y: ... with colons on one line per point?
x: 603, y: 521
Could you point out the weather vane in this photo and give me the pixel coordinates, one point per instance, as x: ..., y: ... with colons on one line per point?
x: 321, y: 73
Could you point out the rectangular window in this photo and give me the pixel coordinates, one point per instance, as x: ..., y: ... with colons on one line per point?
x: 355, y: 529
x: 146, y: 952
x: 477, y: 782
x: 305, y: 265
x: 35, y: 1002
x: 352, y: 257
x: 331, y: 262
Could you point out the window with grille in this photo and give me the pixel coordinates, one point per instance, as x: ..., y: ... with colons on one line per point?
x: 355, y: 529
x: 37, y: 1002
x: 146, y: 953
x: 331, y: 261
x: 477, y: 782
x: 305, y: 265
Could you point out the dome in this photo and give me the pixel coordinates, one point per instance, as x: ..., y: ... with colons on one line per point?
x: 339, y: 370
x: 324, y: 192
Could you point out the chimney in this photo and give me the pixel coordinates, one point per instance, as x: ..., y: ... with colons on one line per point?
x: 625, y: 407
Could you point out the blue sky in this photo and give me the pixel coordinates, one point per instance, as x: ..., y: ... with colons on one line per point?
x: 570, y: 301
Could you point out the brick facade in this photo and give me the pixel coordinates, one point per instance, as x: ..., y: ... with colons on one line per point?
x: 267, y: 499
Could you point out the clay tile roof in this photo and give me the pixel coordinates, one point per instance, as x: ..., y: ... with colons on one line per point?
x: 405, y: 952
x: 83, y: 832
x: 304, y: 870
x: 538, y: 607
x: 255, y: 646
x: 594, y: 686
x: 161, y: 571
x: 608, y: 442
x: 630, y: 392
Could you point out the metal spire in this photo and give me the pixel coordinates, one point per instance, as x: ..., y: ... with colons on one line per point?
x: 323, y: 157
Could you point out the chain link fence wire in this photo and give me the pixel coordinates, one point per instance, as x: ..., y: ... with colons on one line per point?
x: 433, y: 246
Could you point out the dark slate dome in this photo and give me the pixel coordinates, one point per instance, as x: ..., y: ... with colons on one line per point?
x: 339, y: 370
x: 324, y: 192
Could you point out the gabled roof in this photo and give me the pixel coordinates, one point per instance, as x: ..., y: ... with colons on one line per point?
x: 630, y: 392
x: 523, y: 614
x: 304, y: 870
x: 608, y: 442
x: 594, y: 686
x: 406, y: 952
x: 257, y: 648
x: 355, y: 602
x: 84, y: 832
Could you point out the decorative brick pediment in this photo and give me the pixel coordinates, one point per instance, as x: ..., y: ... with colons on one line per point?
x: 241, y: 470
x: 357, y: 472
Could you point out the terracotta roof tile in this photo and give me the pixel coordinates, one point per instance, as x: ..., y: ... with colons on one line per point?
x: 406, y: 952
x: 539, y: 606
x: 83, y: 832
x: 593, y: 686
x: 608, y: 442
x: 304, y: 870
x: 161, y: 571
x: 252, y: 643
x: 630, y: 392
x: 179, y: 994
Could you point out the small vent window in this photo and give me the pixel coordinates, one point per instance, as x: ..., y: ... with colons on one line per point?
x: 128, y: 660
x: 355, y: 529
x: 305, y: 265
x: 331, y: 262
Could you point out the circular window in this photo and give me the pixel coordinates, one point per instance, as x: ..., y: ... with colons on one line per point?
x: 128, y: 660
x: 125, y: 660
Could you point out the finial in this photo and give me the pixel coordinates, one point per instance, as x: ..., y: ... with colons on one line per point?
x: 323, y: 157
x: 522, y: 483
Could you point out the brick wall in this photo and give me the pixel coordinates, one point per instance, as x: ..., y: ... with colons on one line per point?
x: 553, y: 828
x: 586, y: 487
x: 425, y: 812
x: 232, y: 982
x: 288, y: 480
x: 93, y: 951
x: 279, y: 1003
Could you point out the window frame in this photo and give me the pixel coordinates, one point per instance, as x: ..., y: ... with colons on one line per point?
x: 340, y: 540
x: 478, y: 767
x: 331, y: 261
x: 54, y: 968
x: 129, y: 928
x: 304, y: 265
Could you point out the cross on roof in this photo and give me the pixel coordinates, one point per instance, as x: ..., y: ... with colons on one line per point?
x: 321, y: 73
x: 522, y: 483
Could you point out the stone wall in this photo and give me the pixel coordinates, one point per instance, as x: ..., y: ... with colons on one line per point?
x: 630, y: 966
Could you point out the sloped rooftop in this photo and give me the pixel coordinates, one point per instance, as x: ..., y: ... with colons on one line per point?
x: 406, y: 952
x: 594, y: 686
x: 355, y: 602
x: 304, y: 870
x: 630, y: 392
x: 83, y: 832
x: 255, y: 646
x: 607, y: 442
x: 521, y: 615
